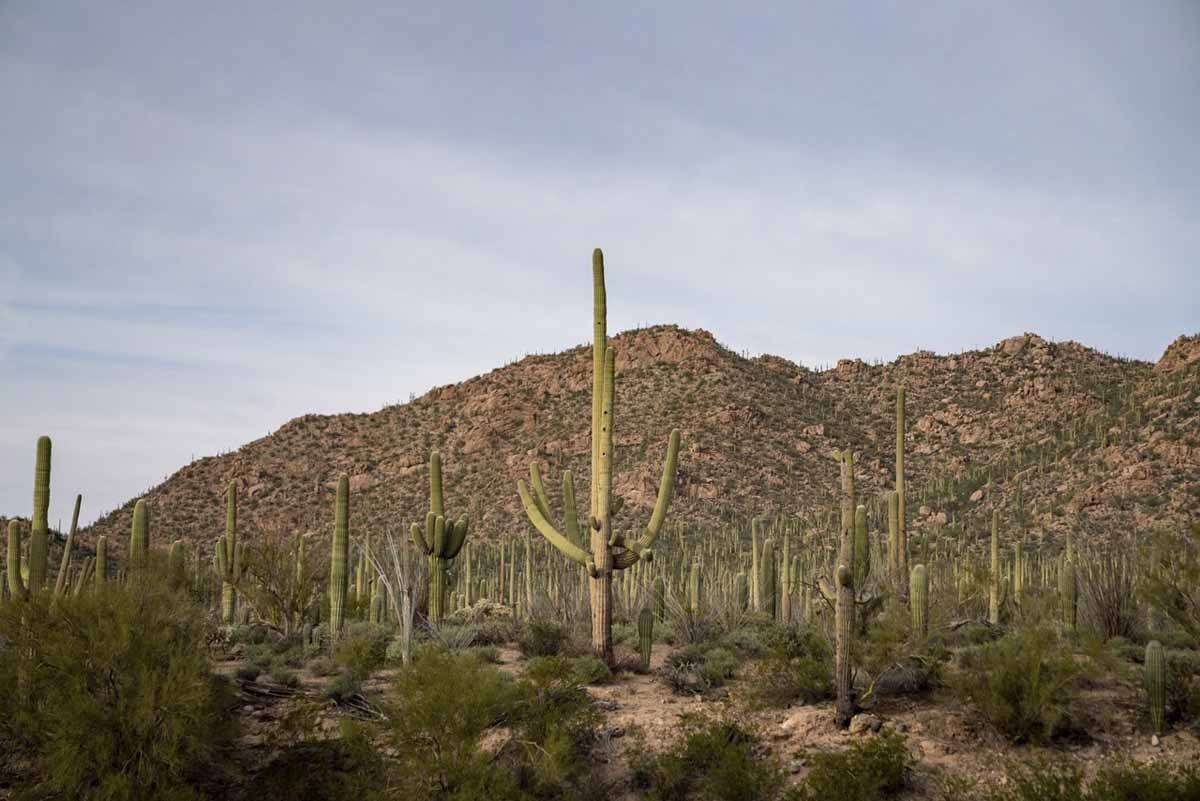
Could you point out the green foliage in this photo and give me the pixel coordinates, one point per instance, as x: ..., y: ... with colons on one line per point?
x: 699, y: 669
x: 714, y: 760
x: 323, y: 666
x: 871, y: 769
x: 445, y: 703
x: 576, y: 670
x: 797, y: 666
x: 1058, y: 782
x: 362, y: 649
x: 344, y: 687
x: 543, y: 638
x: 1023, y: 684
x: 110, y: 696
x: 348, y: 769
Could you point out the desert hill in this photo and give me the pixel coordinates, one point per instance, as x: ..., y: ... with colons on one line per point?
x: 1069, y: 437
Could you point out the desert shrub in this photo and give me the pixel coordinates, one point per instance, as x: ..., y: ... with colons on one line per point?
x: 699, y: 669
x: 495, y: 631
x: 1106, y: 595
x: 249, y: 635
x: 343, y: 687
x: 871, y: 769
x: 1058, y: 782
x: 330, y: 770
x: 798, y: 666
x: 543, y: 638
x: 1172, y: 585
x: 111, y: 697
x: 576, y: 670
x: 714, y: 760
x: 487, y: 653
x: 1122, y: 648
x: 362, y: 649
x: 1023, y: 684
x: 260, y: 656
x: 454, y: 636
x: 281, y: 674
x: 323, y: 666
x: 445, y: 704
x: 248, y: 672
x: 1183, y: 685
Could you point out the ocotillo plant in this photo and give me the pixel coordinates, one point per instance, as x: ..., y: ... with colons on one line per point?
x: 1156, y: 684
x: 918, y: 602
x: 645, y: 636
x: 339, y: 577
x: 230, y: 558
x: 39, y: 530
x: 844, y: 608
x: 441, y: 539
x: 608, y: 549
x: 139, y: 544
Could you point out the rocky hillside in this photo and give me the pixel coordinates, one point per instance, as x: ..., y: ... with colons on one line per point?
x: 1064, y: 433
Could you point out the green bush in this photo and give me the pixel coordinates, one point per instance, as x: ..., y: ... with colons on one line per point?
x: 1056, y: 782
x: 323, y: 666
x: 344, y: 687
x: 1023, y: 684
x: 281, y: 674
x: 248, y: 672
x: 1183, y: 686
x: 445, y: 703
x: 362, y: 649
x: 714, y: 760
x: 699, y: 669
x: 111, y: 697
x: 543, y: 638
x: 797, y: 666
x: 575, y: 670
x: 871, y: 769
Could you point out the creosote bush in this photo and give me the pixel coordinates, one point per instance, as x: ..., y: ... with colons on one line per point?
x: 699, y: 669
x: 110, y: 696
x: 871, y: 769
x: 1023, y: 684
x: 543, y: 638
x: 797, y: 667
x: 1057, y: 782
x: 362, y: 649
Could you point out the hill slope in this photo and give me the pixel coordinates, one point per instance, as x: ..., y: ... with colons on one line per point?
x: 1061, y: 429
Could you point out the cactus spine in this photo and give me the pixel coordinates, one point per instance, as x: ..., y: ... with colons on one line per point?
x: 645, y: 636
x: 338, y: 576
x: 39, y: 532
x: 844, y: 609
x: 230, y: 556
x: 608, y: 549
x: 918, y: 602
x: 1156, y: 684
x: 441, y: 540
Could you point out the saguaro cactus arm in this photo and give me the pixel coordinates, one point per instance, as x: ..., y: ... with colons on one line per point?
x: 16, y: 587
x: 666, y: 488
x: 564, y: 544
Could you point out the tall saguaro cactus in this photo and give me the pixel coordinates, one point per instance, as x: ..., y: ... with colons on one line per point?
x: 844, y: 608
x: 230, y: 558
x: 441, y: 540
x: 607, y: 550
x: 901, y: 526
x: 39, y: 531
x: 918, y: 601
x: 16, y: 585
x: 339, y: 575
x: 60, y: 584
x: 101, y: 561
x: 994, y: 574
x: 1156, y: 684
x: 139, y: 544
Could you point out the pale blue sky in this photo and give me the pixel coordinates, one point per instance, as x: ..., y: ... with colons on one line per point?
x: 218, y: 216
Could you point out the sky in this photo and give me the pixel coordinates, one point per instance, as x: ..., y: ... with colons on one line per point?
x: 215, y: 217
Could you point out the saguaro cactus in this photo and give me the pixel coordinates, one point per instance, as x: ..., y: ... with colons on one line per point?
x: 844, y: 609
x: 1068, y: 594
x: 339, y: 577
x: 230, y: 558
x: 645, y: 636
x: 767, y: 586
x: 39, y: 530
x: 60, y: 583
x: 695, y: 599
x: 918, y: 602
x: 785, y: 593
x: 659, y: 589
x: 608, y: 549
x: 901, y: 526
x: 440, y: 541
x: 994, y: 574
x: 1156, y: 684
x: 755, y: 566
x: 139, y: 544
x: 16, y: 585
x: 101, y: 561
